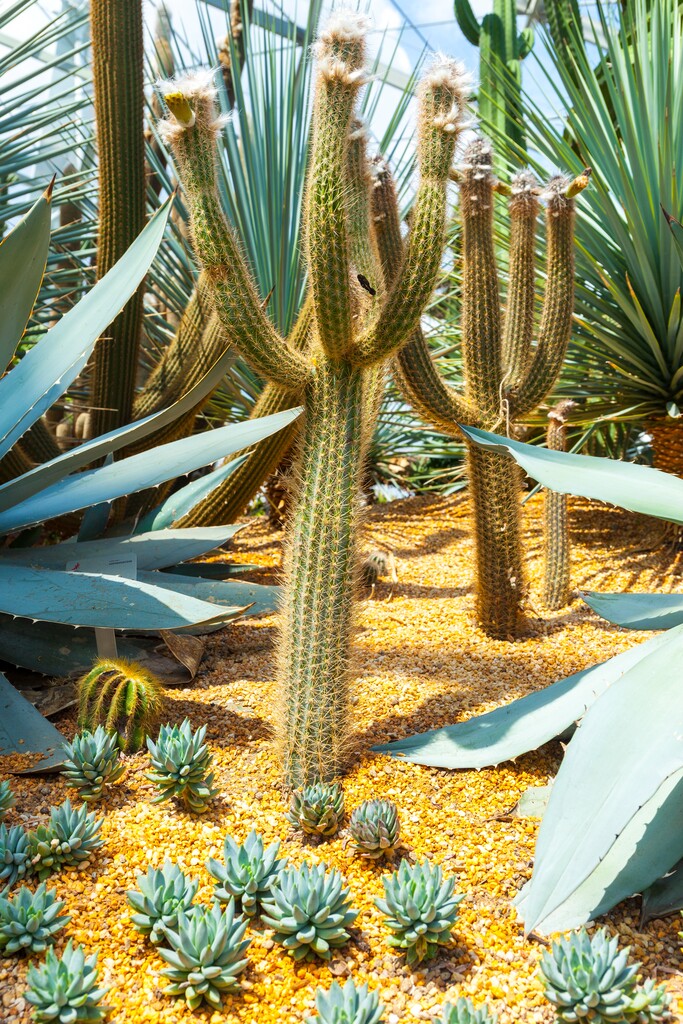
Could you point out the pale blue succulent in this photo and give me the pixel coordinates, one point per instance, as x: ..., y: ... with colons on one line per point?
x: 420, y: 909
x: 162, y: 894
x: 29, y: 920
x: 351, y: 1004
x: 309, y: 908
x: 64, y: 989
x: 247, y: 873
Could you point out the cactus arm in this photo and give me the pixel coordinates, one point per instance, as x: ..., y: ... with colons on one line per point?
x: 556, y: 542
x: 558, y: 306
x: 339, y: 77
x: 442, y: 102
x: 518, y: 327
x: 365, y: 259
x: 192, y: 134
x: 413, y: 368
x: 119, y: 104
x: 227, y: 501
x: 480, y: 295
x: 469, y: 26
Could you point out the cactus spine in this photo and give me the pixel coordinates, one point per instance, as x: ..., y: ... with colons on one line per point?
x: 117, y: 48
x: 353, y: 334
x: 506, y: 376
x: 556, y: 544
x: 501, y: 52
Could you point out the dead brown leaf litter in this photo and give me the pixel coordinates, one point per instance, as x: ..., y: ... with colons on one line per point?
x: 421, y: 663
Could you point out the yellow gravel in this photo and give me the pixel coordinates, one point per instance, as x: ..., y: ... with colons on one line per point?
x: 421, y: 664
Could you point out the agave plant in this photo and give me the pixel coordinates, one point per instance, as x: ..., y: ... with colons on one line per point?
x: 317, y: 809
x: 248, y: 872
x: 589, y: 978
x: 92, y: 762
x: 162, y: 894
x: 420, y: 909
x: 31, y: 494
x: 180, y: 760
x: 309, y: 908
x: 351, y: 1004
x: 604, y: 803
x: 29, y: 920
x: 64, y: 989
x: 205, y: 954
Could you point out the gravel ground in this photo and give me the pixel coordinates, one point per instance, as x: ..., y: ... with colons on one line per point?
x: 421, y: 663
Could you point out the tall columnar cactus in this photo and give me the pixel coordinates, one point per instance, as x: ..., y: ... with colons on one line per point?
x: 506, y: 376
x: 556, y: 569
x: 354, y: 331
x: 501, y: 52
x: 117, y: 47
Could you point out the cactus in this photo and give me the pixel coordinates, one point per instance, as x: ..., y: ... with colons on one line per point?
x: 309, y: 908
x: 67, y: 841
x: 375, y: 828
x: 205, y: 954
x: 123, y: 697
x: 92, y: 761
x: 505, y: 375
x: 63, y: 989
x: 420, y: 908
x: 501, y: 52
x: 30, y: 920
x: 180, y: 760
x: 556, y: 543
x: 336, y: 377
x: 347, y: 1005
x: 590, y: 978
x: 463, y: 1012
x: 162, y: 894
x: 318, y: 809
x: 117, y: 52
x: 15, y: 862
x: 6, y: 798
x: 247, y: 873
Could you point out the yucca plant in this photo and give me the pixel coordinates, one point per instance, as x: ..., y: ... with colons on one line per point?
x: 621, y: 118
x: 6, y: 798
x: 180, y: 760
x: 375, y: 828
x: 162, y: 894
x: 247, y: 873
x: 29, y: 920
x: 352, y: 1004
x: 92, y: 761
x: 309, y: 909
x: 64, y: 989
x: 420, y: 908
x: 69, y: 840
x: 14, y: 854
x: 205, y: 954
x: 317, y: 809
x: 588, y: 978
x: 463, y: 1011
x: 123, y: 697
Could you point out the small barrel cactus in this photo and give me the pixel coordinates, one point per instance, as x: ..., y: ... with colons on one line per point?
x: 30, y: 920
x: 347, y: 1005
x: 162, y: 894
x: 67, y: 841
x: 124, y: 698
x: 92, y: 761
x: 6, y: 798
x: 420, y: 908
x: 180, y: 761
x: 317, y: 809
x: 591, y: 978
x: 205, y: 954
x: 14, y: 854
x: 375, y: 828
x: 309, y: 908
x: 248, y: 872
x: 63, y: 989
x: 463, y: 1012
